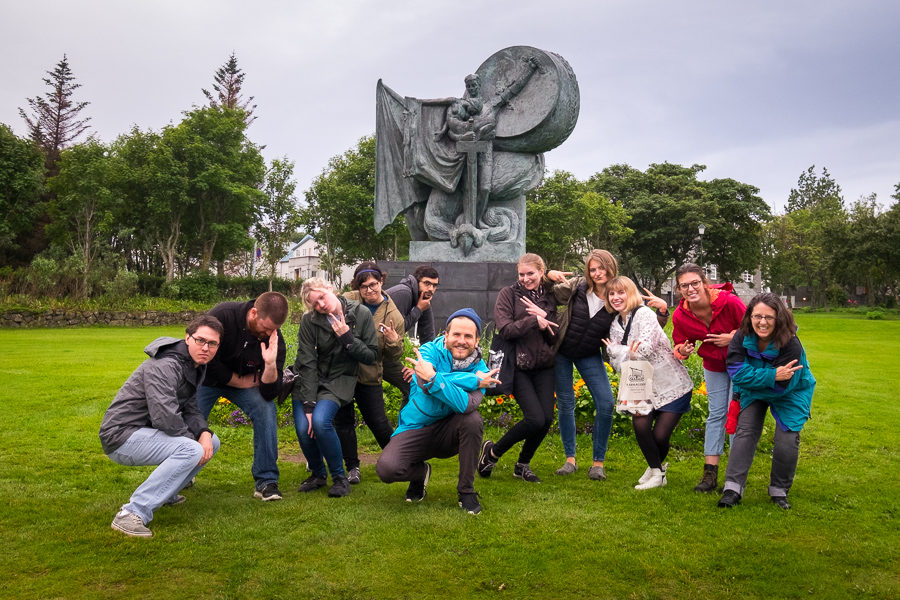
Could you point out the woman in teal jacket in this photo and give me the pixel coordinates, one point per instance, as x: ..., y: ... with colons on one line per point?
x: 769, y: 370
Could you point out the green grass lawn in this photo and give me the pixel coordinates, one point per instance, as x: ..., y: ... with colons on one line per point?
x: 565, y: 538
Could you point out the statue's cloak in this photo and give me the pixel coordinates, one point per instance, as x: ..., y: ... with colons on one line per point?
x: 405, y: 134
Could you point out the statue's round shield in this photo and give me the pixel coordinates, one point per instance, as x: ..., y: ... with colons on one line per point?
x: 542, y: 115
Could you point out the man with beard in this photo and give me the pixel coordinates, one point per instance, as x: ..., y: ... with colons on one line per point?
x: 412, y: 296
x: 247, y: 372
x: 442, y: 420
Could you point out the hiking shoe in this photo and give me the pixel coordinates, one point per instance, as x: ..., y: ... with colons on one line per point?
x: 416, y: 490
x: 470, y: 503
x: 486, y: 462
x: 597, y: 473
x: 312, y: 483
x: 191, y: 482
x: 340, y: 487
x: 710, y: 480
x: 567, y: 469
x: 176, y: 499
x: 353, y: 476
x: 269, y: 492
x: 729, y: 499
x: 782, y: 502
x: 130, y: 524
x: 523, y: 471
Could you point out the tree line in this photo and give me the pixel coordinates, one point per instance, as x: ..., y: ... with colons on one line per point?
x: 197, y: 197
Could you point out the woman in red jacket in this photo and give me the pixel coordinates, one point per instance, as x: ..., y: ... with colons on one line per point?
x: 708, y: 315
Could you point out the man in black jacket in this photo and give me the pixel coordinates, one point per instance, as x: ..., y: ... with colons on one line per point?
x: 413, y: 299
x: 154, y: 420
x: 247, y: 371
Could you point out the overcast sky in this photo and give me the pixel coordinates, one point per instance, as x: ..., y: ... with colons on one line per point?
x: 756, y: 91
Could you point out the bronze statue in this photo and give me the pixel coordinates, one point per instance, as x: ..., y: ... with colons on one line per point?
x: 459, y: 168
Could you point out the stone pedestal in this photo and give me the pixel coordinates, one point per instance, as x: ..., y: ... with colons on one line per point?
x: 462, y: 284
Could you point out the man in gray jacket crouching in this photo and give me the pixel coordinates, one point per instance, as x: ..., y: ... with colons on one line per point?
x: 154, y: 420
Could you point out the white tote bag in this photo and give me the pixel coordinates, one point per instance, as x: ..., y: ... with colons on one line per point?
x: 635, y: 388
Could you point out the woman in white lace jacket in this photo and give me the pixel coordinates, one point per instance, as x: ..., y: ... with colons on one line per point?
x: 672, y: 386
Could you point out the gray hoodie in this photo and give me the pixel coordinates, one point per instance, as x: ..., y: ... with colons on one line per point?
x: 161, y: 393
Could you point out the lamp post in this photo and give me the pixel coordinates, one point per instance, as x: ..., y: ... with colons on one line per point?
x: 701, y: 229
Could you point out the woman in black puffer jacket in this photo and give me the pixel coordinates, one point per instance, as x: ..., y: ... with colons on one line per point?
x: 525, y: 314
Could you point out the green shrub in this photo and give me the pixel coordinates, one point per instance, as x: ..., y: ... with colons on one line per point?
x: 876, y: 314
x: 123, y: 286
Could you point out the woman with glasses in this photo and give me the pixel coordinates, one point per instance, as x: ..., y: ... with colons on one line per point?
x: 770, y: 372
x: 707, y: 315
x: 369, y: 393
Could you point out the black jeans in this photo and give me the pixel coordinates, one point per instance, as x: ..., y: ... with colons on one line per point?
x: 533, y: 391
x: 370, y: 400
x: 392, y: 372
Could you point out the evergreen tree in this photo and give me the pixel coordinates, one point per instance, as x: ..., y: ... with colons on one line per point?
x: 229, y: 79
x: 54, y: 121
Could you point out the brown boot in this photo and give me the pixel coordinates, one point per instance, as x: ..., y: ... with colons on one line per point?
x: 710, y: 480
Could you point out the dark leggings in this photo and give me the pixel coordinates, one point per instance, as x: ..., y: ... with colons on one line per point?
x: 370, y: 400
x: 533, y: 391
x: 653, y: 438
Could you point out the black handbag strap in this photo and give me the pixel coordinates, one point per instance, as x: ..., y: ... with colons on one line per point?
x: 628, y: 327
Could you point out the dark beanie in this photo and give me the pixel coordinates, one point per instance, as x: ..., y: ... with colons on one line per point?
x: 468, y: 313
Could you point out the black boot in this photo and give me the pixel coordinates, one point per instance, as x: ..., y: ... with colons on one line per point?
x: 710, y: 480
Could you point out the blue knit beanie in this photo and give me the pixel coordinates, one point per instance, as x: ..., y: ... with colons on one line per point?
x: 468, y: 313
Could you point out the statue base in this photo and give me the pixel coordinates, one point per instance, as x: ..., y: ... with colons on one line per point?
x: 475, y: 285
x: 501, y: 252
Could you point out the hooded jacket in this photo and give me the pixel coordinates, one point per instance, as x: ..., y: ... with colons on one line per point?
x: 753, y: 375
x: 406, y: 295
x: 447, y: 393
x: 727, y: 310
x: 386, y: 313
x: 327, y: 365
x: 239, y: 352
x: 159, y: 394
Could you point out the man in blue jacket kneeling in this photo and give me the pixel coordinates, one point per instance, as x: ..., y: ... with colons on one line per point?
x: 441, y: 419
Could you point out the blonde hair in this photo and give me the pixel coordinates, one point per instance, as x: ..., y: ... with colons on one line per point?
x: 533, y: 259
x: 632, y: 296
x: 313, y: 283
x: 607, y: 262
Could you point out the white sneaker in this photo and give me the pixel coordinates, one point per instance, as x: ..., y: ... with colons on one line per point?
x: 646, y: 475
x: 657, y: 479
x: 130, y: 524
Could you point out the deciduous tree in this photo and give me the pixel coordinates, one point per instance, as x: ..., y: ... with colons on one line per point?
x: 21, y: 184
x: 279, y: 219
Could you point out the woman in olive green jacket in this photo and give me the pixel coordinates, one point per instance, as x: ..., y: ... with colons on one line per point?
x: 335, y: 336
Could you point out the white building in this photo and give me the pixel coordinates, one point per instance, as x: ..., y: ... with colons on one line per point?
x: 302, y: 262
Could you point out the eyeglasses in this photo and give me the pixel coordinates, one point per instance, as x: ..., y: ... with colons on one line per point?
x: 766, y: 318
x: 204, y: 342
x: 691, y: 284
x: 370, y: 286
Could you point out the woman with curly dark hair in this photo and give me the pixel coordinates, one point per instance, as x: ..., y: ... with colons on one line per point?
x: 770, y: 372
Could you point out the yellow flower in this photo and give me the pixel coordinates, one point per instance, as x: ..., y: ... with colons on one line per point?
x: 223, y: 400
x: 702, y: 388
x: 609, y: 368
x: 578, y: 385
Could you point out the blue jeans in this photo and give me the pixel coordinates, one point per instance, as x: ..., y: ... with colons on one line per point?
x: 718, y: 394
x: 177, y: 457
x: 325, y: 443
x: 265, y: 426
x: 593, y: 371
